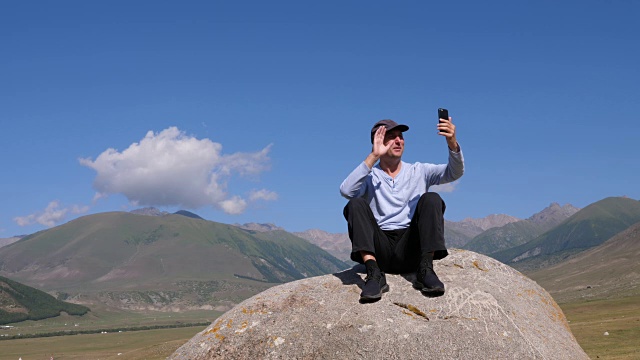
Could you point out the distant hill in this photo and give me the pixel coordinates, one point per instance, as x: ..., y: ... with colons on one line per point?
x: 161, y: 261
x: 259, y: 227
x: 504, y: 237
x: 11, y: 240
x: 19, y: 302
x: 553, y: 215
x: 458, y: 234
x: 188, y: 214
x: 149, y: 211
x: 520, y: 232
x: 587, y: 228
x: 338, y: 245
x: 491, y: 221
x: 608, y: 270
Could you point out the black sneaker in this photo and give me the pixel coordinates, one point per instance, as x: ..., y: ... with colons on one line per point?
x: 375, y: 284
x: 427, y: 281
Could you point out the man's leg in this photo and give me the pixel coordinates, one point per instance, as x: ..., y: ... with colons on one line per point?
x: 428, y: 220
x: 365, y: 234
x: 367, y: 247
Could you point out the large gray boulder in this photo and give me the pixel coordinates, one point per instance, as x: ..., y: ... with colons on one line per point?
x: 489, y: 311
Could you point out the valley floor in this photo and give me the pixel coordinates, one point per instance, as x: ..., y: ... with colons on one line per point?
x: 136, y: 345
x: 619, y: 318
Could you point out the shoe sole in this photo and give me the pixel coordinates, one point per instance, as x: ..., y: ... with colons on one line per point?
x: 378, y: 296
x: 428, y: 291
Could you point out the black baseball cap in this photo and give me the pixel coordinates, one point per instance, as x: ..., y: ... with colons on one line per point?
x: 389, y: 124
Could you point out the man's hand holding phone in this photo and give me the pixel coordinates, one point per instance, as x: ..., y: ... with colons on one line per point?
x: 447, y: 129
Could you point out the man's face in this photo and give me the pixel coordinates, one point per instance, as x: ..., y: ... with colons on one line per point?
x: 397, y: 143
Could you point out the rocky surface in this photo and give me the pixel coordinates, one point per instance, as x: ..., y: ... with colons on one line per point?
x: 488, y: 311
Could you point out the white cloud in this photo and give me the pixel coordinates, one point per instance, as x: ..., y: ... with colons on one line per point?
x: 444, y: 188
x: 99, y: 196
x: 171, y: 168
x: 247, y: 163
x: 263, y: 194
x: 78, y: 209
x: 51, y: 215
x: 233, y: 206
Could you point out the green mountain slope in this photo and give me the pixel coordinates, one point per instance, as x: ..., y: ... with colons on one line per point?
x: 459, y: 233
x: 455, y: 238
x: 19, y: 302
x: 520, y: 232
x: 607, y: 271
x: 505, y: 237
x: 118, y: 251
x: 587, y: 228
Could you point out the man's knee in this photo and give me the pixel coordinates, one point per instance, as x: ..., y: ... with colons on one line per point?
x: 433, y: 200
x: 355, y: 204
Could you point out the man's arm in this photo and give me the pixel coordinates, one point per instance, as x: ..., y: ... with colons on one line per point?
x: 453, y: 170
x: 354, y: 185
x: 351, y: 186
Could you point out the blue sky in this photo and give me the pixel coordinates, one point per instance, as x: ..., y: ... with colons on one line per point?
x: 255, y: 111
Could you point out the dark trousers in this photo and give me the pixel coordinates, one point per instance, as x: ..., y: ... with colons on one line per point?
x: 398, y: 251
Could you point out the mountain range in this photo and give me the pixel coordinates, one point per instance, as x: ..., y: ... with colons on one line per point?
x: 545, y: 238
x: 155, y: 260
x: 162, y: 261
x: 457, y: 234
x: 587, y: 228
x: 518, y: 232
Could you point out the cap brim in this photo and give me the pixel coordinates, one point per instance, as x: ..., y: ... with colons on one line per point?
x: 400, y: 127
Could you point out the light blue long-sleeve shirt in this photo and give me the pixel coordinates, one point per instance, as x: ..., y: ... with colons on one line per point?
x: 393, y: 201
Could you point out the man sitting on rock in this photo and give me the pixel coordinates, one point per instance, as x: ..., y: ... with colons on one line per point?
x: 395, y: 225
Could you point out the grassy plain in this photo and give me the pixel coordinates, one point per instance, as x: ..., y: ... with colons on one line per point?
x: 103, y: 318
x: 147, y: 344
x: 620, y: 318
x: 134, y: 345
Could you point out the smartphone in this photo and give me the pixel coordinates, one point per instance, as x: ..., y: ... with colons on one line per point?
x: 443, y: 114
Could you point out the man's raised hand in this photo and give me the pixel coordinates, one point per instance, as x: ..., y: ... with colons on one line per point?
x: 379, y: 147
